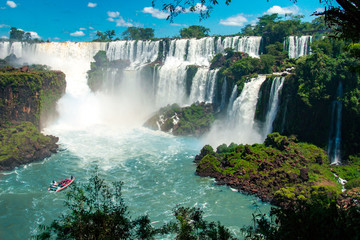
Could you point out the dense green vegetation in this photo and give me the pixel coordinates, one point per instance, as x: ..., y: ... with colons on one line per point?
x: 323, y: 218
x: 194, y: 31
x: 279, y: 171
x: 22, y: 143
x: 274, y: 29
x: 308, y: 93
x: 194, y: 120
x: 135, y: 33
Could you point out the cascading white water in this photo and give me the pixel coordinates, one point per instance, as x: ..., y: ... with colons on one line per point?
x: 239, y: 126
x: 203, y: 86
x: 298, y: 46
x: 137, y: 52
x: 249, y: 45
x: 168, y: 85
x: 273, y: 104
x: 334, y: 146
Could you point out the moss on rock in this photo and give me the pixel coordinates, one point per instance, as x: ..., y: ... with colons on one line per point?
x: 279, y: 171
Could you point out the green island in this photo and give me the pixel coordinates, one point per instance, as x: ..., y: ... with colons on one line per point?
x: 194, y: 120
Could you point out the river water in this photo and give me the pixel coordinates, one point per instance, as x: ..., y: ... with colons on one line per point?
x: 156, y: 168
x: 105, y: 130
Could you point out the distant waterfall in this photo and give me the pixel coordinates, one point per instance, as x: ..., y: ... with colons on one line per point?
x: 137, y: 52
x: 273, y: 104
x: 249, y: 45
x: 334, y: 146
x: 298, y: 46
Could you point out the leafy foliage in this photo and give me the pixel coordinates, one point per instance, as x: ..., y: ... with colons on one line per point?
x: 194, y: 31
x: 191, y: 225
x: 308, y: 220
x: 135, y: 33
x: 108, y: 35
x: 343, y: 19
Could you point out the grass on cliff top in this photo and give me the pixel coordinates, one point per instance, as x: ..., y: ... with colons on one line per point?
x: 18, y: 140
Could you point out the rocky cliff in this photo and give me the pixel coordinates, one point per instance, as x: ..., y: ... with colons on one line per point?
x: 27, y: 99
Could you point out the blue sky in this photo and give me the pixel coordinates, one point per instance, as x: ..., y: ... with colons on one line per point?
x: 78, y: 20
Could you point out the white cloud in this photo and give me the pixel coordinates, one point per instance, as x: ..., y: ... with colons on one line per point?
x: 283, y: 10
x: 77, y: 34
x: 156, y: 13
x: 4, y: 26
x: 92, y: 5
x: 34, y: 35
x: 11, y: 4
x: 320, y: 10
x: 178, y: 25
x: 4, y: 37
x: 82, y: 29
x: 237, y: 20
x: 120, y: 22
x: 113, y: 14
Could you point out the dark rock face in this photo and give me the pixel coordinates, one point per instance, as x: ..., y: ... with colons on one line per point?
x: 27, y: 95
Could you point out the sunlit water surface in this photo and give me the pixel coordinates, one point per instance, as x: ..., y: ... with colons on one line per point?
x: 157, y: 170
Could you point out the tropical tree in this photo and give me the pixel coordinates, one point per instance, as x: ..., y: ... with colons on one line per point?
x: 194, y: 31
x: 16, y: 34
x: 134, y: 33
x: 103, y: 37
x: 191, y: 225
x: 343, y: 16
x: 110, y: 34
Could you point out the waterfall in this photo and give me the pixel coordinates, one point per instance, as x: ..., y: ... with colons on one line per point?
x: 239, y: 125
x: 249, y: 45
x: 203, y: 86
x: 273, y: 104
x: 298, y: 46
x: 137, y: 52
x: 223, y: 94
x: 233, y: 96
x: 334, y: 146
x: 243, y: 109
x: 167, y: 81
